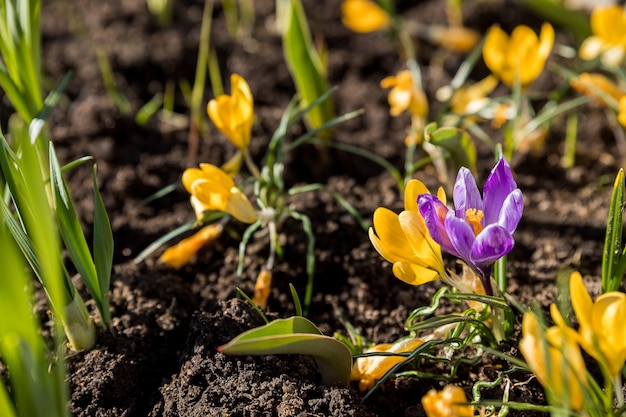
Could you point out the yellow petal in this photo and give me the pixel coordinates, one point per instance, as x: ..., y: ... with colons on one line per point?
x: 607, y: 316
x: 412, y: 190
x: 190, y: 175
x: 363, y: 16
x: 262, y: 288
x: 608, y: 23
x: 180, y: 254
x: 413, y: 274
x: 217, y: 176
x: 369, y: 369
x: 446, y: 403
x: 590, y: 48
x: 388, y: 238
x: 426, y: 252
x: 581, y: 300
x: 494, y: 49
x: 212, y: 197
x: 239, y: 207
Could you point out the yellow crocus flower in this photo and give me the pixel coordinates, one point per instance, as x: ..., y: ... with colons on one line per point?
x: 213, y: 189
x: 597, y: 86
x: 405, y: 241
x: 602, y: 331
x: 473, y: 98
x: 608, y: 25
x: 521, y: 56
x: 233, y: 114
x: 447, y: 403
x: 364, y: 16
x: 368, y: 369
x: 554, y: 356
x: 180, y: 254
x: 405, y: 95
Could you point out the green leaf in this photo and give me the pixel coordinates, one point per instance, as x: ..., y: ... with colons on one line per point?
x: 296, y: 335
x: 71, y: 231
x: 102, y: 248
x: 35, y: 388
x: 304, y: 62
x: 613, y: 239
x: 456, y: 142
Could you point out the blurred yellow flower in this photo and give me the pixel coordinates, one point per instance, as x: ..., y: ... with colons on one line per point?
x: 364, y: 16
x: 405, y: 241
x: 454, y: 38
x: 608, y: 25
x: 554, y: 356
x: 405, y: 95
x: 473, y: 98
x: 597, y: 86
x: 368, y: 369
x: 521, y: 56
x: 233, y: 115
x: 447, y: 403
x: 262, y: 288
x: 602, y: 331
x: 180, y: 254
x: 621, y: 116
x: 213, y: 189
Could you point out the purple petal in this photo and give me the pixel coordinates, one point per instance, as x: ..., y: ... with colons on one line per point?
x: 461, y: 236
x: 434, y: 213
x: 498, y: 186
x: 465, y: 193
x: 491, y: 244
x: 511, y: 211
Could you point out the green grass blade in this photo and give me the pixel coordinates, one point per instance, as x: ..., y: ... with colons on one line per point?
x: 102, y: 248
x: 71, y: 231
x: 304, y: 62
x: 613, y: 239
x: 6, y: 408
x: 35, y: 388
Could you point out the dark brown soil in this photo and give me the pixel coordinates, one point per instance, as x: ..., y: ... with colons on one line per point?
x: 159, y: 358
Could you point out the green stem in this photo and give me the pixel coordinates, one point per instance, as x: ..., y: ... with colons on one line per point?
x: 79, y: 328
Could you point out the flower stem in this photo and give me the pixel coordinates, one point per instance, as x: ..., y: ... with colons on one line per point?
x: 254, y: 170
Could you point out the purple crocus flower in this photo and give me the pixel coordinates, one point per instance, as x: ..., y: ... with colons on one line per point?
x: 480, y: 229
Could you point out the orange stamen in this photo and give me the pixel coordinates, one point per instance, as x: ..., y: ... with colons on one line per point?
x: 474, y: 217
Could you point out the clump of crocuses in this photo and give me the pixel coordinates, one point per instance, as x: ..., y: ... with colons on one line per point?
x: 480, y: 228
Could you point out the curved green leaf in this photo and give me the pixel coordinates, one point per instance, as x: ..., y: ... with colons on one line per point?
x: 296, y: 335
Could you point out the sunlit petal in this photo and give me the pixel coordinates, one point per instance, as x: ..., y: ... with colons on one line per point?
x: 466, y: 194
x: 461, y: 236
x: 491, y: 244
x: 511, y: 211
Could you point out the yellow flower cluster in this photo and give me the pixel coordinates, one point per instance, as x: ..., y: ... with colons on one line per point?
x: 212, y: 188
x: 554, y: 354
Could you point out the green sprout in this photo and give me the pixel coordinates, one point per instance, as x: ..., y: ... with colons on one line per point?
x: 32, y: 180
x: 614, y: 256
x: 305, y: 63
x: 37, y: 384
